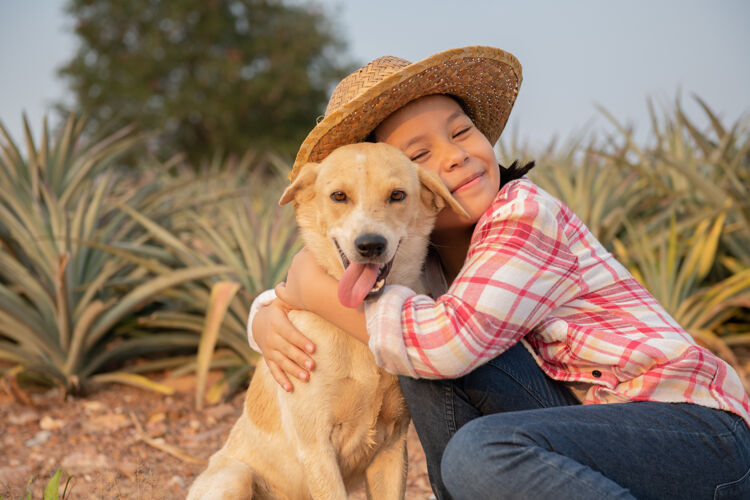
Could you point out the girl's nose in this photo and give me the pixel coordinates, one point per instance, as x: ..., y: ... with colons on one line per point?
x: 453, y: 156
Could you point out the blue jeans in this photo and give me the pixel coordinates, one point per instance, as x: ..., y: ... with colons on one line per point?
x: 506, y: 430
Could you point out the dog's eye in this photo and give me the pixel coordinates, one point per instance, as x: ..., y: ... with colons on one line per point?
x: 398, y: 195
x: 339, y: 196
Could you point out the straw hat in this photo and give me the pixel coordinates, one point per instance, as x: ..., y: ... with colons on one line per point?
x: 484, y: 79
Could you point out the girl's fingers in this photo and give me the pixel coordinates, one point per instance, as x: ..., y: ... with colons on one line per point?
x: 302, y: 360
x: 288, y: 352
x: 279, y: 375
x: 287, y: 330
x: 295, y: 338
x: 285, y: 349
x: 289, y: 367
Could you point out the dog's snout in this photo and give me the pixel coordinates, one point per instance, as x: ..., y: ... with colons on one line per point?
x: 370, y: 245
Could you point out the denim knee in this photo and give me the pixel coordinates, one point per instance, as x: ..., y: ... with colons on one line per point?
x: 482, y: 460
x: 464, y: 466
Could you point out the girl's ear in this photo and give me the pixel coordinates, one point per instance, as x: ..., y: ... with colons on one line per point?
x: 305, y: 179
x: 435, y: 195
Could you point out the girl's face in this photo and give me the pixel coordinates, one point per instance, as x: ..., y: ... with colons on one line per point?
x: 435, y: 133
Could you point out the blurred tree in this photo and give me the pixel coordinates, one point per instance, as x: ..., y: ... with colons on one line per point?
x: 207, y: 75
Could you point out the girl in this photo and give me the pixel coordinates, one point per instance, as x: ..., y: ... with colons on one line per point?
x: 529, y: 317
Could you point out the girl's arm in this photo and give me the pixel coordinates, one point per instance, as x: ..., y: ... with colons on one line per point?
x: 518, y: 269
x: 310, y: 288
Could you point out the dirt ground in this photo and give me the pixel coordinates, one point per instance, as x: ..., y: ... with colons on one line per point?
x: 121, y: 442
x: 97, y: 440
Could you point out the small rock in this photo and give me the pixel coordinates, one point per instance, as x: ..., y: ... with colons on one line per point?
x: 109, y: 422
x: 52, y: 394
x: 48, y: 423
x: 82, y: 462
x: 13, y: 473
x: 24, y: 418
x: 176, y: 481
x: 93, y: 406
x: 156, y: 418
x: 195, y: 424
x: 40, y: 437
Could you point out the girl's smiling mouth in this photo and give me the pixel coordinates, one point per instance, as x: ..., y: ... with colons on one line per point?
x: 468, y: 183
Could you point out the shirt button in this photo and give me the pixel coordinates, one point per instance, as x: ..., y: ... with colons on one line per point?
x: 596, y: 373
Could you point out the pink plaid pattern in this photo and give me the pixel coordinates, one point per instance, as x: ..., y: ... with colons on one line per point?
x: 534, y: 273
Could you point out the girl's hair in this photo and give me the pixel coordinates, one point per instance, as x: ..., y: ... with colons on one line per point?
x: 513, y: 172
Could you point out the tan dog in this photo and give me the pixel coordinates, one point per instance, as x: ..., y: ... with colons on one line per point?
x: 366, y: 213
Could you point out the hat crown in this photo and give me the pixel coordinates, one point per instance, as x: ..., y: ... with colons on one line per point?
x: 484, y: 80
x: 365, y: 77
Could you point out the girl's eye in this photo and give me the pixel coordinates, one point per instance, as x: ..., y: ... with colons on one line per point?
x: 398, y: 195
x: 419, y: 155
x: 462, y: 131
x: 339, y: 196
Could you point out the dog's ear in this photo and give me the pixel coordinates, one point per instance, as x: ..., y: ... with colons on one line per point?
x: 306, y: 177
x: 435, y: 195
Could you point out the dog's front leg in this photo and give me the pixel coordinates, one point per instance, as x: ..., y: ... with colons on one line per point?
x: 322, y: 471
x: 224, y: 479
x: 386, y: 475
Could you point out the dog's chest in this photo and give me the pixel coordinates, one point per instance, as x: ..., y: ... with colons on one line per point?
x: 363, y: 430
x: 364, y: 403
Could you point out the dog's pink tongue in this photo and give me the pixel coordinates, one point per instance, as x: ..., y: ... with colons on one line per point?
x: 356, y: 283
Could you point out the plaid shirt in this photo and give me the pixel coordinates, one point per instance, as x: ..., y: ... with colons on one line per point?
x: 534, y: 273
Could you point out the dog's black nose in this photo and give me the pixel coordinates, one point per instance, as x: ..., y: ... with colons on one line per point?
x: 370, y: 245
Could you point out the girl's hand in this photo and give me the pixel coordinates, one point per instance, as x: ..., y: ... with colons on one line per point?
x: 285, y: 350
x: 305, y: 282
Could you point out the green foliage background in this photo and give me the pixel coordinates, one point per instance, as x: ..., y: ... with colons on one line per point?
x: 107, y: 276
x: 207, y: 75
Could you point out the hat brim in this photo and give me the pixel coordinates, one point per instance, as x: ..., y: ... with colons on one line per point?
x: 485, y: 79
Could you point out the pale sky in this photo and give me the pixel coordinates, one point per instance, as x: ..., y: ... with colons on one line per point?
x: 575, y: 54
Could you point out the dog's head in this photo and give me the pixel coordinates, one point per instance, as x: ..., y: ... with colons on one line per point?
x: 366, y: 212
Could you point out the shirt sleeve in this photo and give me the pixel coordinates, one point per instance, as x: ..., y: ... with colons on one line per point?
x: 518, y: 269
x: 261, y: 300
